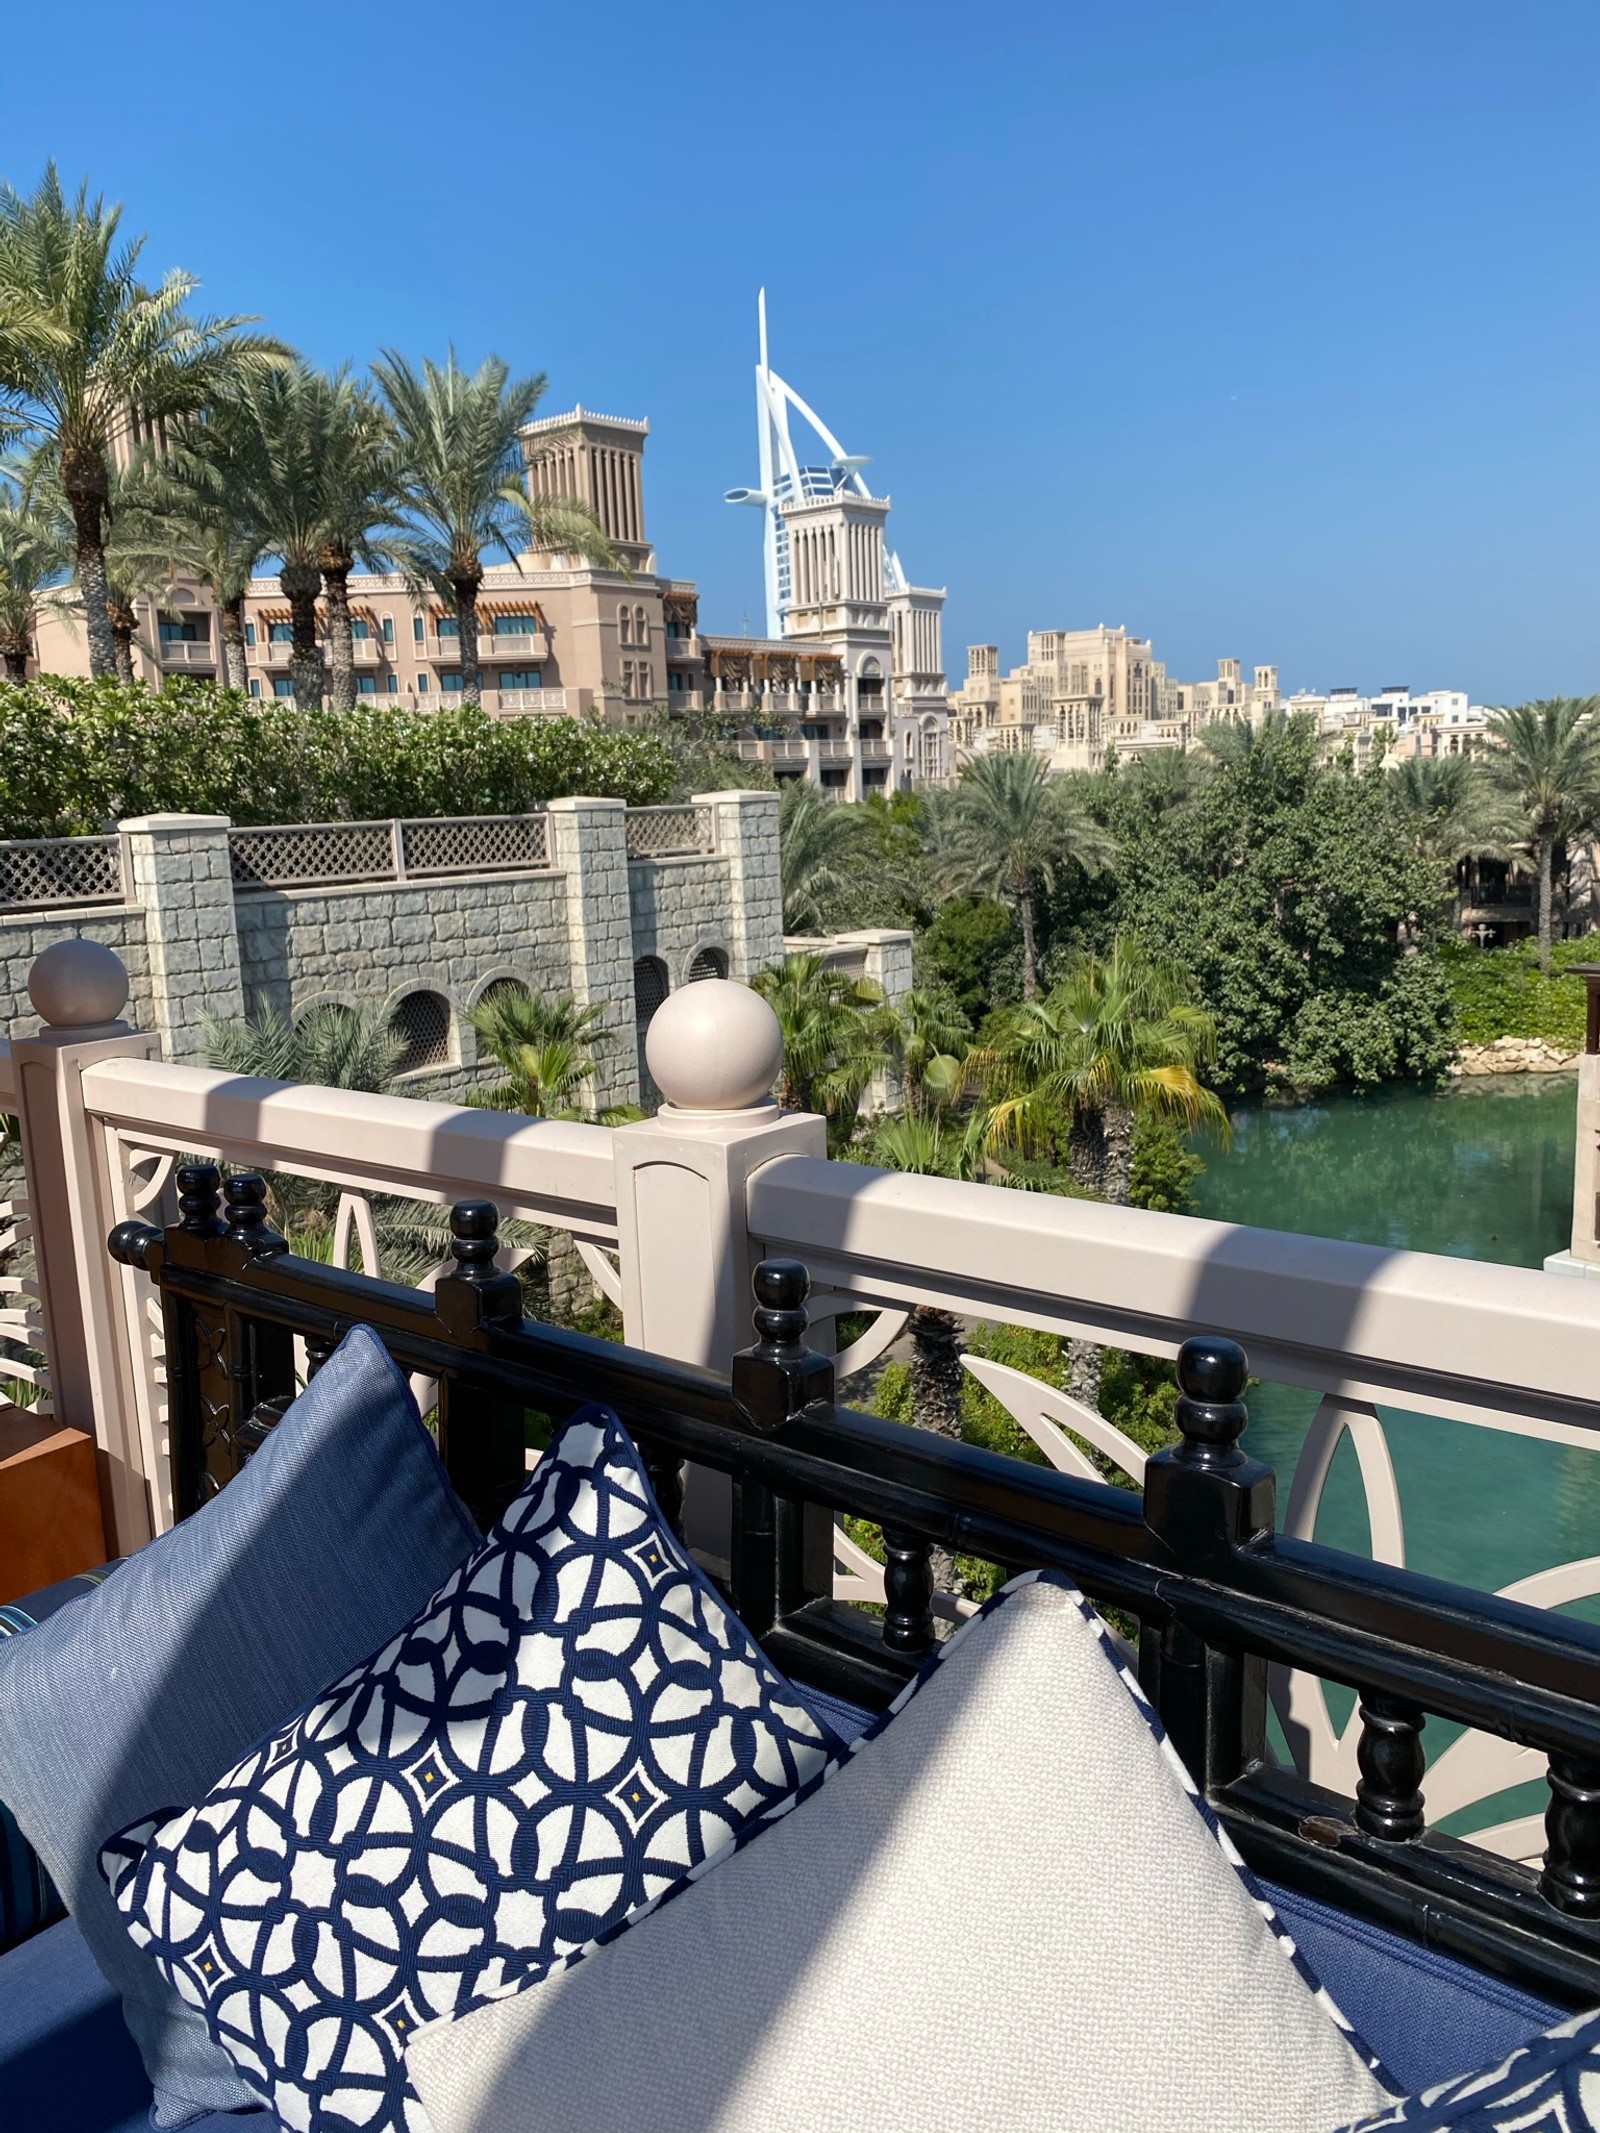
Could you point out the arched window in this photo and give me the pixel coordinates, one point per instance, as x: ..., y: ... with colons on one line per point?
x: 504, y: 989
x: 641, y: 628
x: 422, y: 1023
x: 625, y: 624
x: 708, y: 963
x: 649, y: 988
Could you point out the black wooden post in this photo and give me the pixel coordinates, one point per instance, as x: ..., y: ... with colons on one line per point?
x: 777, y: 1381
x: 482, y: 1432
x: 200, y: 1200
x: 1571, y: 1877
x: 1392, y: 1760
x: 1204, y: 1498
x: 261, y: 1356
x: 247, y: 1223
x: 908, y: 1593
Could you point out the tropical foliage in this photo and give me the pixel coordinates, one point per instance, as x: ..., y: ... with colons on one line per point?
x: 547, y: 1051
x: 835, y: 1030
x: 76, y: 757
x: 1545, y: 765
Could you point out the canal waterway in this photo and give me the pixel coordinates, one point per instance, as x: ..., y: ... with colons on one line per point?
x: 1482, y: 1169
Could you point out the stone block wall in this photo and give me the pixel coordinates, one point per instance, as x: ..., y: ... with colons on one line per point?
x: 197, y: 949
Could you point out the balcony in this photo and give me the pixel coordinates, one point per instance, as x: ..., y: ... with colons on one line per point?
x: 525, y: 645
x: 682, y: 651
x: 1228, y: 1610
x: 368, y: 651
x: 877, y: 751
x: 524, y: 703
x: 775, y: 751
x: 274, y: 654
x: 177, y: 654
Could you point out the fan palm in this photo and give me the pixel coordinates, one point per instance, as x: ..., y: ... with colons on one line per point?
x: 84, y: 345
x: 547, y: 1050
x: 835, y: 1036
x: 1015, y: 827
x: 927, y: 1038
x: 1118, y: 1034
x: 460, y: 446
x: 1546, y: 767
x: 33, y: 559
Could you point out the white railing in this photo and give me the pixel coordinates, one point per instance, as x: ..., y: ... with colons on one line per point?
x: 36, y: 873
x: 177, y: 652
x: 522, y: 644
x: 547, y: 702
x: 324, y: 854
x: 668, y: 1216
x: 669, y: 832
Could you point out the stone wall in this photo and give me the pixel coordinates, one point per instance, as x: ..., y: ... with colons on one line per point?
x: 197, y: 949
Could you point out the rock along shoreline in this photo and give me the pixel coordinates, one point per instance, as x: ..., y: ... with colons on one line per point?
x: 1513, y: 1055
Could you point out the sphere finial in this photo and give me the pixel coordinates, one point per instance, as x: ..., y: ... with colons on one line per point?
x: 714, y: 1046
x: 78, y: 984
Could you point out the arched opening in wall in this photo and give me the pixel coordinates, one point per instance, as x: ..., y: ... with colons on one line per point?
x: 649, y: 989
x: 708, y: 963
x: 504, y: 989
x: 422, y: 1023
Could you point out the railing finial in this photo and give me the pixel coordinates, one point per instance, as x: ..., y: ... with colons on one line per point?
x: 200, y: 1199
x: 1212, y: 1375
x: 714, y: 1046
x: 78, y: 984
x: 246, y: 1195
x: 475, y: 1239
x: 780, y: 1379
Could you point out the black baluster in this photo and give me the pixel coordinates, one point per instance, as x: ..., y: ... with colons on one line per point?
x: 908, y: 1593
x: 665, y: 1470
x: 780, y: 1379
x: 200, y: 1200
x: 319, y: 1346
x: 1204, y: 1498
x: 1392, y: 1759
x: 1571, y: 1877
x: 246, y: 1195
x: 482, y: 1431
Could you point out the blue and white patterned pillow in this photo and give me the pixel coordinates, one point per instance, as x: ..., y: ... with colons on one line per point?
x: 572, y: 1723
x: 1549, y: 2085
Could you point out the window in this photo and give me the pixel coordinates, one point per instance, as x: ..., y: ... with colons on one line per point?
x: 250, y: 635
x: 708, y: 963
x: 422, y: 684
x: 625, y: 624
x: 649, y: 988
x: 388, y: 629
x: 627, y: 677
x: 360, y: 629
x: 644, y: 679
x: 255, y: 685
x: 641, y: 628
x: 419, y: 629
x: 280, y: 633
x: 521, y: 678
x: 422, y: 1023
x: 394, y: 685
x: 450, y: 684
x: 449, y: 627
x: 515, y: 625
x: 282, y: 685
x: 185, y: 631
x: 366, y: 684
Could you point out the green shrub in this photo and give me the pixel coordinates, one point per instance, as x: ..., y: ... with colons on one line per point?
x: 1501, y: 992
x: 78, y: 756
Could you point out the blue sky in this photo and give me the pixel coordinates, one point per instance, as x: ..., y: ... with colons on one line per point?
x: 1267, y: 330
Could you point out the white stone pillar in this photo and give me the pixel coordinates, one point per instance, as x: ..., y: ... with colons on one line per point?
x: 589, y: 843
x: 687, y: 1255
x: 746, y: 830
x: 182, y: 877
x: 79, y: 988
x: 885, y: 962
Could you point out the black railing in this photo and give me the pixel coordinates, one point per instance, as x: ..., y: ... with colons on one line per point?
x: 1218, y: 1595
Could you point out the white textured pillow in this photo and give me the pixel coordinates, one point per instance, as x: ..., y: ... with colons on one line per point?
x: 1005, y: 1910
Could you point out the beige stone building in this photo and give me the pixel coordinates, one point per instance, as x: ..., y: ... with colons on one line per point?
x: 1081, y: 693
x: 558, y: 634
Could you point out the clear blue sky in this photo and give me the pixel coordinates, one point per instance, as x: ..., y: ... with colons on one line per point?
x: 1266, y: 329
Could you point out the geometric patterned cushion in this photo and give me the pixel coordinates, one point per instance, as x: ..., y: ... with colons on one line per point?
x: 1549, y: 2086
x: 1004, y: 1905
x: 571, y: 1724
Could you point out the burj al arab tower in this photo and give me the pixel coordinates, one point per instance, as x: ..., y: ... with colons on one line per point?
x: 852, y: 651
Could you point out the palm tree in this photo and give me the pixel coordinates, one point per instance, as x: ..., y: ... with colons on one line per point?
x: 547, y: 1050
x: 361, y: 497
x: 86, y: 347
x: 835, y: 1036
x: 1016, y: 827
x: 927, y: 1039
x: 286, y: 431
x: 460, y: 446
x: 816, y: 840
x: 1118, y: 1034
x: 1546, y: 766
x: 33, y: 560
x: 1450, y: 807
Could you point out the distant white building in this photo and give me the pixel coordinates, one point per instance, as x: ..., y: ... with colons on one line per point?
x: 1431, y: 722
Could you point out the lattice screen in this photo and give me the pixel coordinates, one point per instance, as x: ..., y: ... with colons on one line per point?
x: 708, y: 963
x: 422, y: 1023
x: 298, y: 856
x: 475, y: 844
x: 649, y: 987
x: 61, y: 870
x: 668, y: 832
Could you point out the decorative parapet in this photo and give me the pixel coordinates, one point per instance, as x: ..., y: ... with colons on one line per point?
x: 670, y: 832
x: 321, y: 854
x: 38, y: 873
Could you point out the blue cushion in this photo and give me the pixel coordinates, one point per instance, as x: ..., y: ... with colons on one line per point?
x: 1548, y: 2085
x: 143, y: 1692
x: 566, y: 1729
